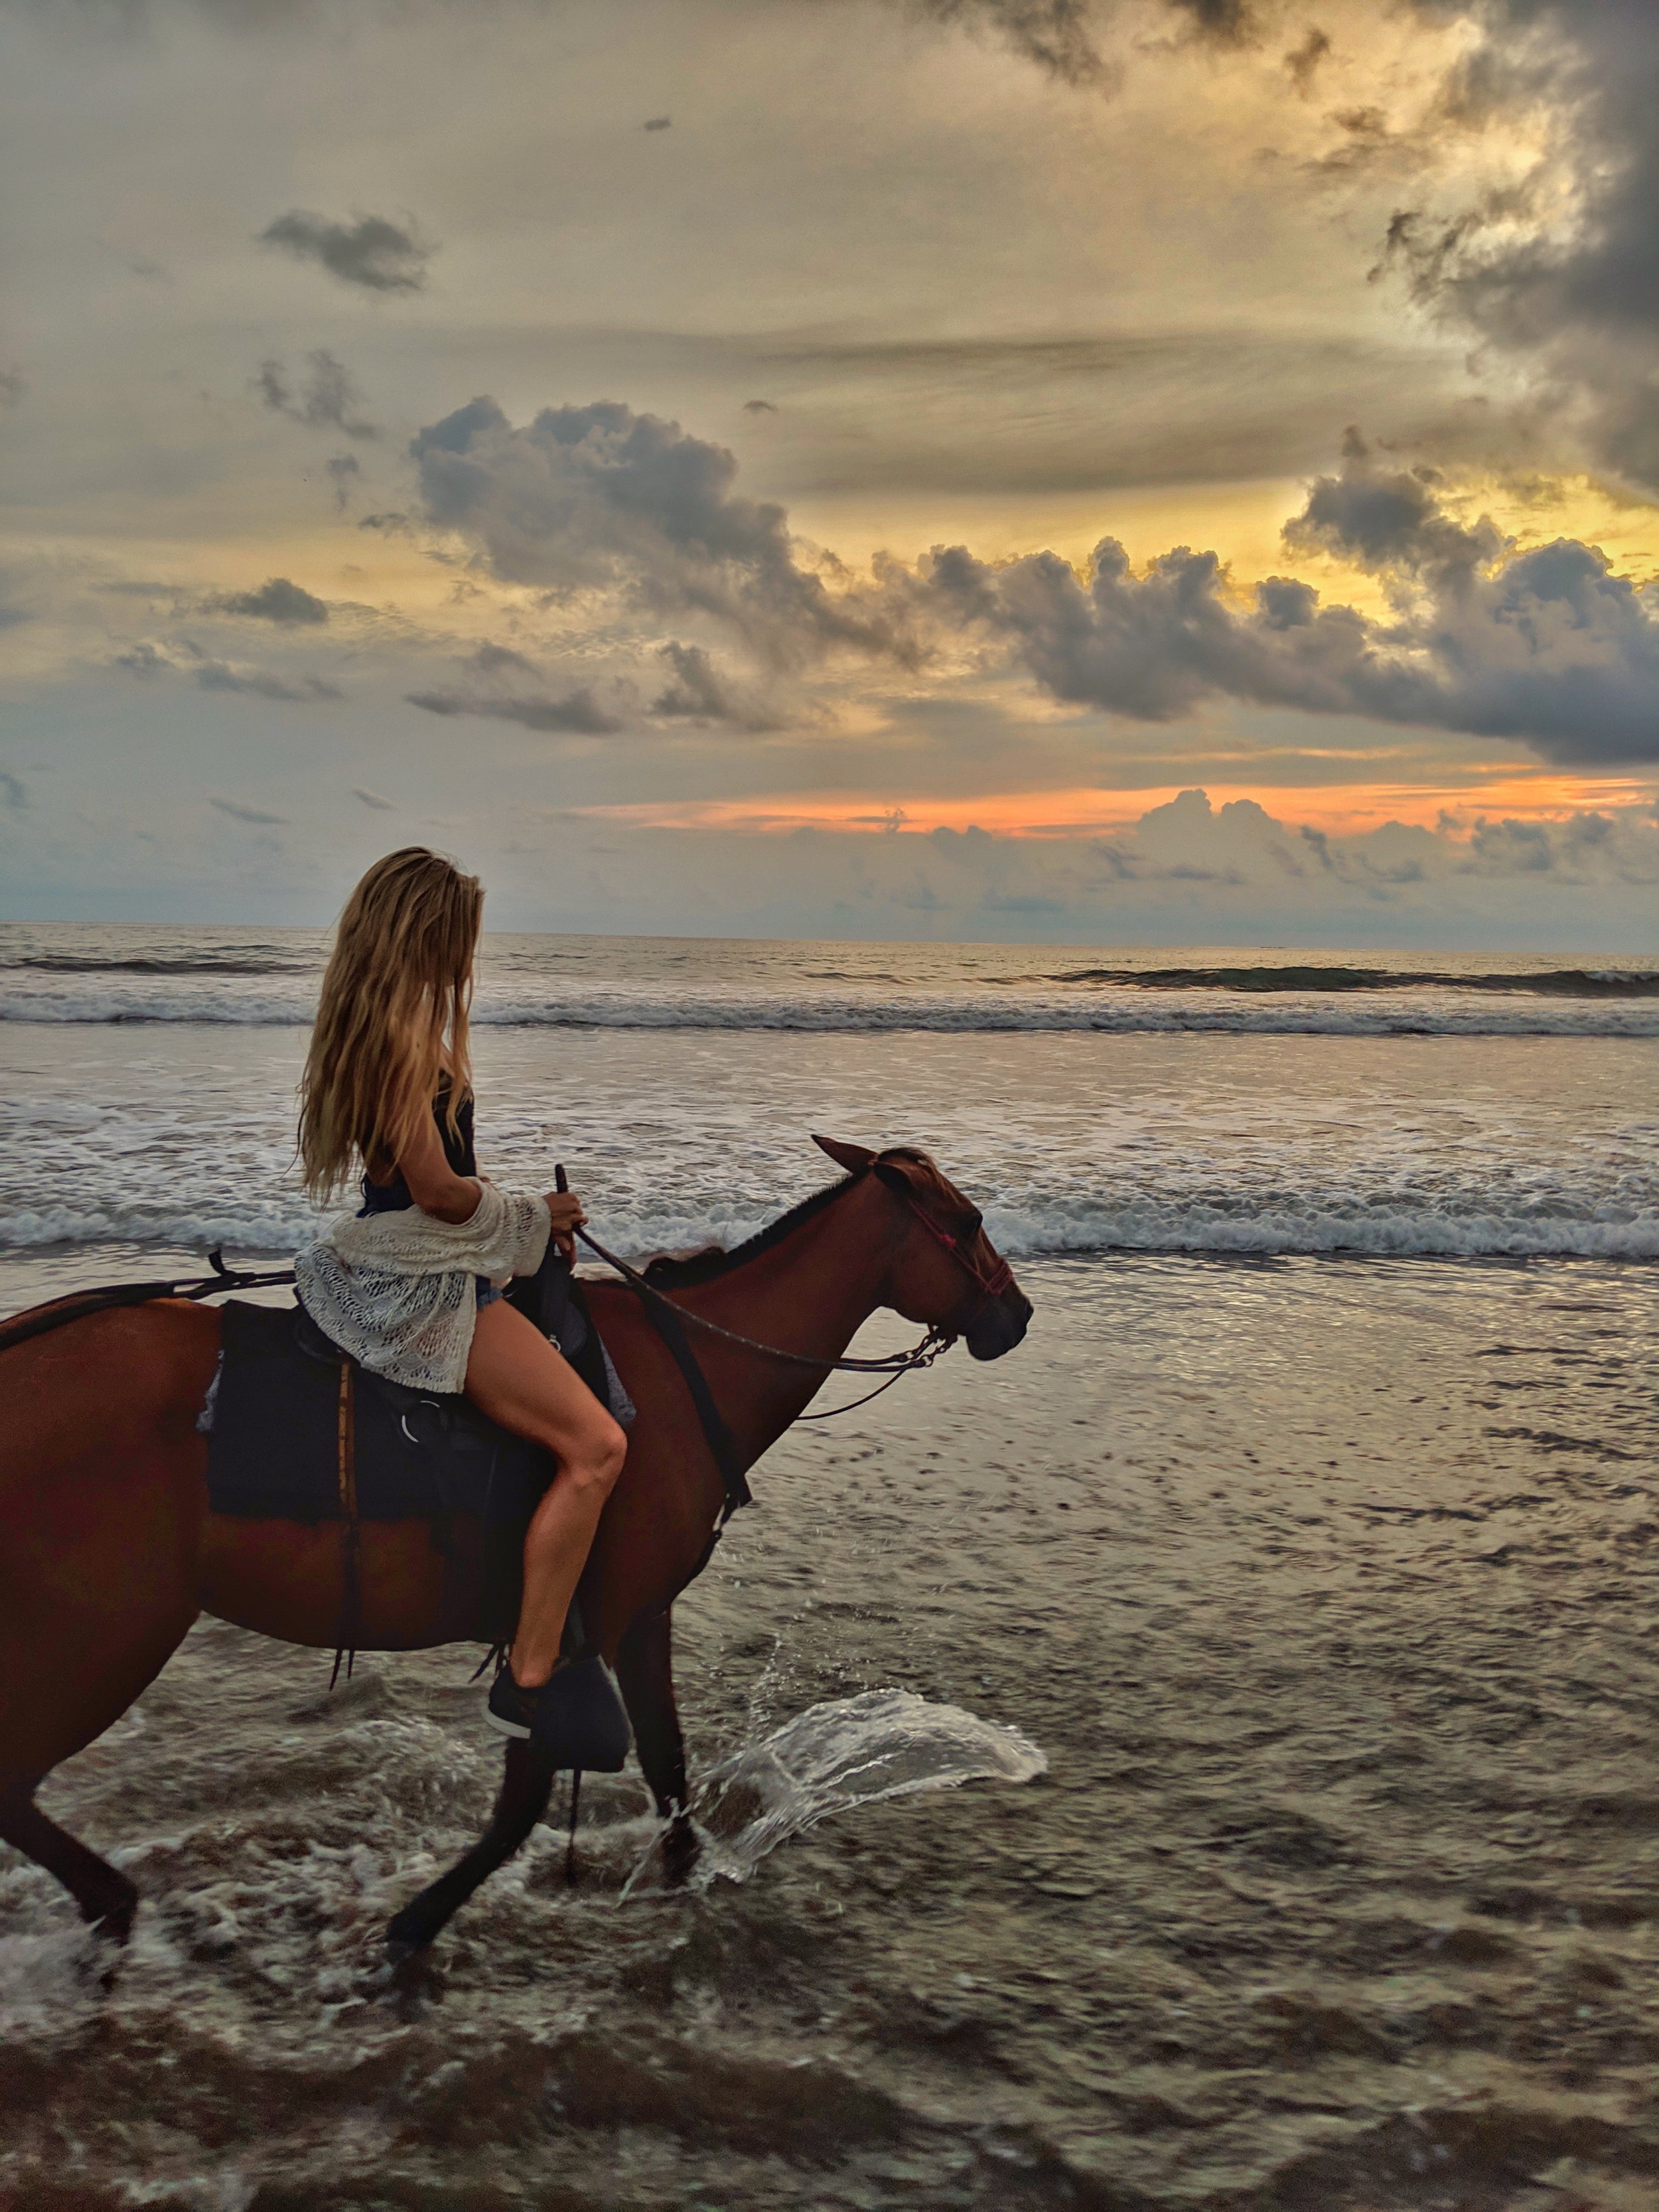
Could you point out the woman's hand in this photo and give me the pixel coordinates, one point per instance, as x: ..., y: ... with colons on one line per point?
x: 566, y: 1210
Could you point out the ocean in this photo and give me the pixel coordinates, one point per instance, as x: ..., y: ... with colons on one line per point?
x: 1203, y: 1760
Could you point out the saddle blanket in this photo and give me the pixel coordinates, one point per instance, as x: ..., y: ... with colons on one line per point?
x: 274, y: 1438
x: 273, y: 1414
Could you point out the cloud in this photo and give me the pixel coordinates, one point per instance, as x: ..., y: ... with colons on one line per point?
x: 658, y: 122
x: 758, y: 407
x: 276, y: 600
x: 578, y: 712
x: 241, y: 813
x: 373, y: 798
x: 1561, y: 271
x: 1225, y: 22
x: 697, y: 691
x: 14, y: 792
x: 224, y: 676
x: 1058, y: 35
x: 601, y: 499
x: 377, y: 255
x: 148, y: 659
x: 1386, y: 519
x: 495, y: 686
x: 14, y: 388
x: 327, y: 397
x: 1302, y: 63
x: 1545, y: 645
x: 343, y: 470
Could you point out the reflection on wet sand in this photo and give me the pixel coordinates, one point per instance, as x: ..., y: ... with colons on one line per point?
x: 1325, y: 1587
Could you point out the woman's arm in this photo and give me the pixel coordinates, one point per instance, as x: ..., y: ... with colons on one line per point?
x: 438, y: 1190
x: 433, y: 1184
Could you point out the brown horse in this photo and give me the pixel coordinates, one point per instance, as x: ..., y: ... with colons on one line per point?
x: 110, y: 1551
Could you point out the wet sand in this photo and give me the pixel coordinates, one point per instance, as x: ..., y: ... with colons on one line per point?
x: 1326, y: 1588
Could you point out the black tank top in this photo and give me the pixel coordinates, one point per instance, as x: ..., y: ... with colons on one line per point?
x: 395, y: 1197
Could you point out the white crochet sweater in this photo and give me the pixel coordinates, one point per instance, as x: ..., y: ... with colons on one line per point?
x: 398, y: 1291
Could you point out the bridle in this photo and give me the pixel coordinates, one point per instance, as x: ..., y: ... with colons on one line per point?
x: 991, y: 1282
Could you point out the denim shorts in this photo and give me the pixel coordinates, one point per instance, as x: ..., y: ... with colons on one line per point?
x: 485, y: 1291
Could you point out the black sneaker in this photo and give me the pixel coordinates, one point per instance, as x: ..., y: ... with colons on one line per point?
x: 575, y: 1718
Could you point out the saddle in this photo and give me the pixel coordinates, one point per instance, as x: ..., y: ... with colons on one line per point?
x: 296, y: 1431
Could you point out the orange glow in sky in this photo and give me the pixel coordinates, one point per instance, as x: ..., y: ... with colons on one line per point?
x: 1511, y: 789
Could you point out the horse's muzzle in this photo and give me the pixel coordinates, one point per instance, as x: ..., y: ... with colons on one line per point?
x: 999, y: 1326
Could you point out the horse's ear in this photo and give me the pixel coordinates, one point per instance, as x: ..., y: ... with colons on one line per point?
x: 854, y: 1157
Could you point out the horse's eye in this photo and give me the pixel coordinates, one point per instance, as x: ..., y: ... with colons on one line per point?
x: 973, y: 1224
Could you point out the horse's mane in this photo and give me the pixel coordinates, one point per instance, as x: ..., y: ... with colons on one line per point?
x: 703, y: 1266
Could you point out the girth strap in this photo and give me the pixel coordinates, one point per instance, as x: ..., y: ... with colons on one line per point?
x: 351, y: 1537
x: 721, y: 1444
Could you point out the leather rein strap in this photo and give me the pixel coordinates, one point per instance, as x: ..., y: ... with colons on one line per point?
x: 77, y: 1305
x: 669, y: 1318
x: 351, y: 1534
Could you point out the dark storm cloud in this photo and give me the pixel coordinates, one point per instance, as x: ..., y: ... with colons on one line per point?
x: 276, y: 600
x: 598, y: 498
x: 1390, y: 519
x: 373, y: 798
x: 14, y: 389
x: 1563, y: 273
x: 324, y: 398
x: 1547, y: 645
x: 14, y: 792
x: 373, y: 253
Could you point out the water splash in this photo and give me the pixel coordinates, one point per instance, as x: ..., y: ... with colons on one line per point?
x: 834, y: 1758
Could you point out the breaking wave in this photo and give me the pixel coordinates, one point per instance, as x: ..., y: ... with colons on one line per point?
x: 1475, y: 1224
x: 1144, y: 1007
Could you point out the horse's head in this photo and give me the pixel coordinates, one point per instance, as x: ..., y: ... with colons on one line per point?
x: 945, y: 1270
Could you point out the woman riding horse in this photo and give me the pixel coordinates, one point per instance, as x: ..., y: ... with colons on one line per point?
x: 410, y: 1286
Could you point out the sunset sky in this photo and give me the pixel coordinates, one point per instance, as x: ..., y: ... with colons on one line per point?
x: 813, y: 467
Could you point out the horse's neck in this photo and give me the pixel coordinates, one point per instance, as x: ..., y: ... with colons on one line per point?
x: 810, y: 1294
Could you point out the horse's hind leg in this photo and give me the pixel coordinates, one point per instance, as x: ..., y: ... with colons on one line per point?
x: 108, y: 1899
x: 645, y: 1668
x: 526, y: 1785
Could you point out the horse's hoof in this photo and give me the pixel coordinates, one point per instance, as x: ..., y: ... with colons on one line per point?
x: 401, y: 1951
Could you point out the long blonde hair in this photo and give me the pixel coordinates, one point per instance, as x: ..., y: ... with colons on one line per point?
x: 392, y: 1016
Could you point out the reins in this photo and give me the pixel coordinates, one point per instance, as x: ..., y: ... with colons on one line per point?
x: 78, y: 1305
x: 891, y: 1363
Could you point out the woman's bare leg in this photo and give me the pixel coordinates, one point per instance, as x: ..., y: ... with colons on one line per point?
x: 515, y: 1376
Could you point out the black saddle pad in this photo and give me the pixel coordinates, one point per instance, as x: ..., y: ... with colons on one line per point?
x: 274, y: 1453
x: 273, y: 1447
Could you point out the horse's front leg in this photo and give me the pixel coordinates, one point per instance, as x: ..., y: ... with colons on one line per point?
x: 527, y: 1784
x: 645, y: 1668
